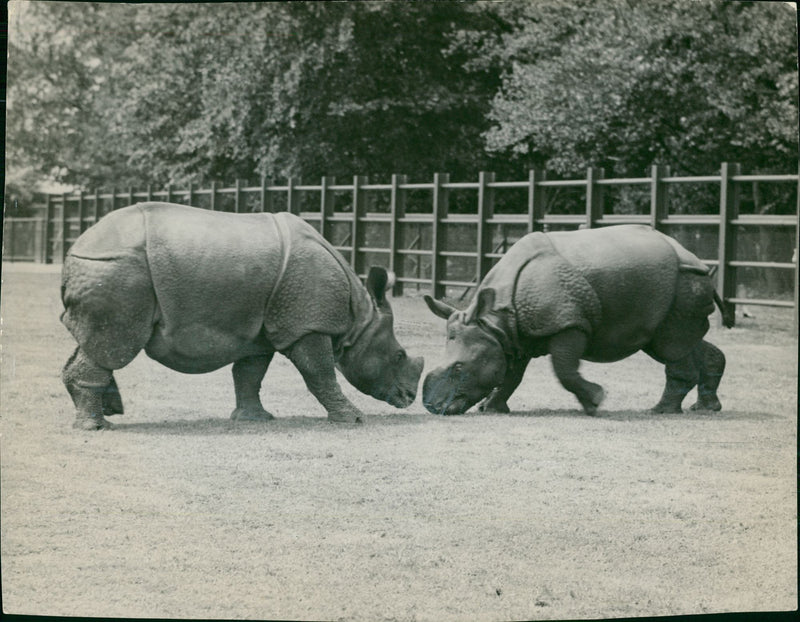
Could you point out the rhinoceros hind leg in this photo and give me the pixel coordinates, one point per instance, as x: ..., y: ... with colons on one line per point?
x: 93, y: 391
x: 711, y: 365
x: 112, y: 400
x: 313, y: 357
x: 566, y: 349
x: 682, y: 375
x: 247, y: 376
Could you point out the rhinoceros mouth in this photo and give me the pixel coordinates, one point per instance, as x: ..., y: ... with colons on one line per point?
x: 457, y: 404
x: 401, y: 398
x: 442, y: 397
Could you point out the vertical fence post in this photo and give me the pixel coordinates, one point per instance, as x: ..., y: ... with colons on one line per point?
x: 485, y: 212
x: 359, y: 211
x: 265, y: 202
x: 237, y: 196
x: 441, y: 205
x: 96, y: 206
x: 213, y: 196
x: 47, y: 255
x: 262, y: 195
x: 149, y: 192
x: 38, y: 238
x: 63, y: 226
x: 269, y: 204
x: 397, y: 209
x: 326, y: 208
x: 535, y: 200
x: 418, y: 259
x: 594, y: 196
x: 169, y: 193
x: 81, y: 209
x: 728, y: 211
x: 130, y: 195
x: 190, y: 195
x: 292, y: 206
x: 658, y: 195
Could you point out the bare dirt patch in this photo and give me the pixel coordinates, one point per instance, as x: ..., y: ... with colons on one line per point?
x: 543, y: 513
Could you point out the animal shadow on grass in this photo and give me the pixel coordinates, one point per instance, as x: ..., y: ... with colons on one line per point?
x: 642, y: 415
x: 209, y: 426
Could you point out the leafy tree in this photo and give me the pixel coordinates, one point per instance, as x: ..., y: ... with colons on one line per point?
x: 397, y: 96
x: 57, y: 81
x: 126, y: 94
x: 689, y: 83
x: 222, y: 91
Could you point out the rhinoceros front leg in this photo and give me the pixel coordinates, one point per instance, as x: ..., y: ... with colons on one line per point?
x: 247, y: 376
x: 93, y: 390
x: 497, y: 402
x: 313, y: 357
x: 566, y: 349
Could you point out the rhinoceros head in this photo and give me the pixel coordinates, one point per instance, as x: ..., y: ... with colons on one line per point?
x: 376, y: 364
x: 475, y: 362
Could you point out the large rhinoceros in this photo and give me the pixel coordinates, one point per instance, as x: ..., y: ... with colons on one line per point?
x: 594, y: 294
x: 199, y: 290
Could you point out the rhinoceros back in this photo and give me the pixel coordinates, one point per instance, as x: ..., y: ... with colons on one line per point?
x: 617, y: 284
x: 212, y: 273
x: 118, y: 234
x: 238, y: 274
x: 199, y: 289
x: 539, y: 292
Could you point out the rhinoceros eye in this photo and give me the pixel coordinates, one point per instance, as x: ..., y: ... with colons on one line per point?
x: 400, y: 356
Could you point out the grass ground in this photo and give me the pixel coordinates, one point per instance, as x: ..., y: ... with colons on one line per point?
x: 540, y: 514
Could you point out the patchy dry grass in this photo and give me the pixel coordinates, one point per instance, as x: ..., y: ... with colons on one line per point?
x: 540, y: 514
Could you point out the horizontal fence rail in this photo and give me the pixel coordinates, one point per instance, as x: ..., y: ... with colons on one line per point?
x: 416, y: 230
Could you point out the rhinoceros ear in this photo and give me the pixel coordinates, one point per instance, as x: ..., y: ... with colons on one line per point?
x: 377, y: 284
x: 439, y: 308
x: 482, y: 305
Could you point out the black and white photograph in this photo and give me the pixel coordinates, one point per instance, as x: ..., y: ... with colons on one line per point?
x: 400, y: 310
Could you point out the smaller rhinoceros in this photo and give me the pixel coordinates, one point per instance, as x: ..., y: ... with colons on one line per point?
x: 198, y: 290
x: 595, y: 294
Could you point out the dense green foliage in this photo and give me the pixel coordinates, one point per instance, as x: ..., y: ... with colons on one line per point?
x: 126, y: 94
x: 626, y: 85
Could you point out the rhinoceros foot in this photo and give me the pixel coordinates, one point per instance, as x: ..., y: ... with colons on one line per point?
x: 112, y: 401
x: 596, y: 395
x: 494, y: 404
x: 251, y: 414
x: 706, y: 402
x: 346, y: 416
x: 91, y: 423
x: 666, y: 408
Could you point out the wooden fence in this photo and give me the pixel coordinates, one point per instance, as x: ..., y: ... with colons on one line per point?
x: 446, y: 250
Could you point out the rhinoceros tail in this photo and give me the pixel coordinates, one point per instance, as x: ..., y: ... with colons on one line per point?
x: 728, y: 317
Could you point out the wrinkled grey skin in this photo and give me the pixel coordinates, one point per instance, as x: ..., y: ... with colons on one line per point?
x: 198, y: 290
x: 598, y: 295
